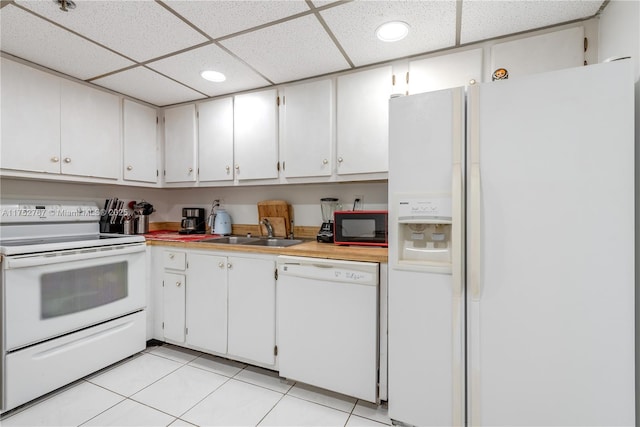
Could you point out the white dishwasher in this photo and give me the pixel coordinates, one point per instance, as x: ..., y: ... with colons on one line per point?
x: 328, y: 324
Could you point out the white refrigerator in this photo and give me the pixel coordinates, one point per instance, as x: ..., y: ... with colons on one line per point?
x: 511, y: 252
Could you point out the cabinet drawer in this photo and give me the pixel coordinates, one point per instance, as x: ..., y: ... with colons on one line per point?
x: 175, y: 260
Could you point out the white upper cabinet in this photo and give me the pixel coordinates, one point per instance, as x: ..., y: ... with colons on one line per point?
x: 363, y: 121
x: 180, y: 144
x: 256, y: 135
x: 90, y: 132
x: 545, y: 52
x: 307, y: 129
x: 445, y: 71
x: 215, y: 140
x: 140, y: 143
x: 30, y: 119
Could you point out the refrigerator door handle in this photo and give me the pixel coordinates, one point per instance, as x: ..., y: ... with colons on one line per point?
x: 474, y: 219
x: 457, y: 306
x: 474, y: 233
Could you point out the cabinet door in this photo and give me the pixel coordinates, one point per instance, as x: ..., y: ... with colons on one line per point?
x: 90, y: 131
x: 307, y: 129
x: 173, y: 299
x: 207, y: 302
x: 363, y: 121
x: 537, y: 54
x: 252, y: 317
x: 140, y: 143
x: 215, y: 140
x: 255, y: 129
x: 180, y: 144
x: 445, y: 71
x: 30, y: 119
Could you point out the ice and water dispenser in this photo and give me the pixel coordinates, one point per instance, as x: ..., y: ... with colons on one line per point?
x: 424, y: 231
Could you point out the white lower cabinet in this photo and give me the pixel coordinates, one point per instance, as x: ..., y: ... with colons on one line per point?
x: 252, y: 309
x: 215, y: 303
x: 173, y: 298
x: 206, y: 303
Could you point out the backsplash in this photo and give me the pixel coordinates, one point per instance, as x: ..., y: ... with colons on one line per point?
x: 240, y: 202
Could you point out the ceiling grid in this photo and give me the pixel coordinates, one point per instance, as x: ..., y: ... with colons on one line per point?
x: 155, y: 50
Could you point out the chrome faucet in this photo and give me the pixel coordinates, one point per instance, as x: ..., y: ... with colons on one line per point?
x: 267, y: 224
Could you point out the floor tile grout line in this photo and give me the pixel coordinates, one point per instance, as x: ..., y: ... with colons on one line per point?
x: 212, y: 371
x: 101, y: 412
x: 270, y: 410
x: 143, y: 388
x: 322, y: 404
x: 201, y: 400
x: 38, y: 400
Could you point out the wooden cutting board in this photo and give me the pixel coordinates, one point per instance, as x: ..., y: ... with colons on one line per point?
x: 278, y: 212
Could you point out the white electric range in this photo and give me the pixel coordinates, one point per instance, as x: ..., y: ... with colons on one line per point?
x: 72, y: 298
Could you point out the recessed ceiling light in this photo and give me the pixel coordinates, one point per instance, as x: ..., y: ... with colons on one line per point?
x: 392, y: 31
x: 213, y: 76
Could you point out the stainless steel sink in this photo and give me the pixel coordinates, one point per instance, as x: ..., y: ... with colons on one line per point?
x: 230, y: 240
x: 255, y: 241
x: 275, y: 243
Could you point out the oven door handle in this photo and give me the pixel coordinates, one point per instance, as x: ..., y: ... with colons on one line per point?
x: 69, y: 256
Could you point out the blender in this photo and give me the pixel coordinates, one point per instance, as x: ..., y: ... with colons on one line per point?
x: 328, y: 206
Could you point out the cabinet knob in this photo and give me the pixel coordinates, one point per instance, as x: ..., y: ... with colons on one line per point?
x: 67, y: 159
x: 221, y: 264
x: 178, y: 284
x: 129, y: 167
x: 55, y: 159
x: 229, y: 265
x: 237, y: 167
x: 325, y: 162
x: 190, y: 170
x: 339, y: 159
x: 228, y: 168
x: 172, y: 256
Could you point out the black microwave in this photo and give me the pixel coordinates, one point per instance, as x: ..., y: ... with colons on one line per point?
x: 369, y: 228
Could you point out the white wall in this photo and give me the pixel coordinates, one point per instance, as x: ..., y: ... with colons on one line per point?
x: 240, y: 202
x: 620, y: 36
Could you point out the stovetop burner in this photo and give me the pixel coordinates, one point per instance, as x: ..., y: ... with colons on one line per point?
x: 54, y: 227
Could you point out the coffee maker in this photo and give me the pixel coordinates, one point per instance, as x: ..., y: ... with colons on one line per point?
x: 193, y: 221
x: 328, y: 206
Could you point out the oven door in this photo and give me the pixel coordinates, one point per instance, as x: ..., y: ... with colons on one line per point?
x: 53, y: 293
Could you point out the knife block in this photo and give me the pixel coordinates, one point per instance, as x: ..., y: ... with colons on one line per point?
x: 107, y: 227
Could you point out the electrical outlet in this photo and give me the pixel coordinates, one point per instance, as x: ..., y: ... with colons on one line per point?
x: 358, y: 202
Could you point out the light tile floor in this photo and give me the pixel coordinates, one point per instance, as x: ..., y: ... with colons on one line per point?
x: 169, y: 385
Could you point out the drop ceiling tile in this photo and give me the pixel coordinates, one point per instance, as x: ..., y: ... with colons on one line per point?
x: 29, y: 37
x: 432, y: 26
x: 292, y: 50
x: 483, y: 19
x: 221, y: 18
x: 138, y: 29
x: 186, y: 68
x: 149, y: 86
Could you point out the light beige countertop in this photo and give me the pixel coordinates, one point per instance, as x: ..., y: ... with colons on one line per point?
x: 309, y: 248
